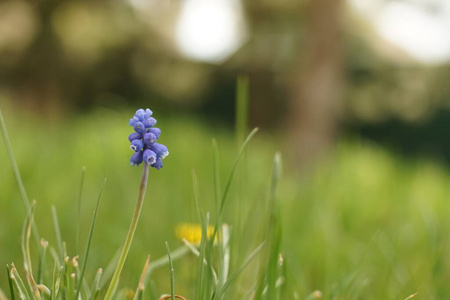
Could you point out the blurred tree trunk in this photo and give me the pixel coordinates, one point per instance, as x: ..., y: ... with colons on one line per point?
x: 317, y: 85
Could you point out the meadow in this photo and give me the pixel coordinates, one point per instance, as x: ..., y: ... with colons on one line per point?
x: 365, y: 224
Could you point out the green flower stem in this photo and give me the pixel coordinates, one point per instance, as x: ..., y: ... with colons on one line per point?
x: 126, y: 248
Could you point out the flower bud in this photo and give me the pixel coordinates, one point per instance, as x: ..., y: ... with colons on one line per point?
x: 160, y: 150
x: 134, y: 136
x: 158, y: 164
x: 148, y: 113
x: 139, y: 127
x: 137, y: 145
x: 149, y: 156
x: 149, y: 138
x: 150, y: 122
x: 136, y: 159
x: 156, y: 131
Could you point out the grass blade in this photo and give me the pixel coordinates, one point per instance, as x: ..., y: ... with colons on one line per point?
x: 88, y: 244
x: 44, y: 290
x: 200, y: 268
x: 220, y: 202
x: 281, y: 278
x: 68, y: 280
x: 274, y: 230
x: 109, y: 270
x: 27, y: 253
x: 58, y: 278
x: 42, y: 260
x: 218, y: 225
x: 201, y: 275
x: 241, y: 131
x: 197, y: 197
x: 11, y: 287
x: 141, y: 286
x: 268, y: 277
x: 15, y: 277
x: 411, y: 296
x: 216, y: 168
x: 77, y: 245
x: 172, y: 274
x: 276, y: 175
x: 230, y: 177
x: 21, y: 186
x: 244, y: 264
x: 176, y: 254
x: 58, y: 235
x: 195, y: 251
x: 225, y: 252
x: 55, y: 272
x: 96, y: 293
x: 96, y: 285
x: 58, y: 281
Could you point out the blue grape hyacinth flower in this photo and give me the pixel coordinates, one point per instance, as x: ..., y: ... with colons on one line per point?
x: 143, y: 140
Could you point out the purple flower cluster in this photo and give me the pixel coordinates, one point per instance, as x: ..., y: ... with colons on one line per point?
x: 143, y: 140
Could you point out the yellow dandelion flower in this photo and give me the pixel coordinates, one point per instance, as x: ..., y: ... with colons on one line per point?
x: 192, y: 232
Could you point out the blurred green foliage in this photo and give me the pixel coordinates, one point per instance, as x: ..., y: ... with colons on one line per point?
x: 366, y: 224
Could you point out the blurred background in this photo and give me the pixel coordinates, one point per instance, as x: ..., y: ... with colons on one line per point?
x: 317, y: 69
x: 355, y: 94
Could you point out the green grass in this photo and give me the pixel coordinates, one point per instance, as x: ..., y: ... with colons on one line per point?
x: 365, y: 225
